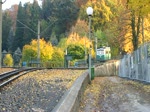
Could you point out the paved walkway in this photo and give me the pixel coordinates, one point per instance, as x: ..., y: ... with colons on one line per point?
x: 113, y: 94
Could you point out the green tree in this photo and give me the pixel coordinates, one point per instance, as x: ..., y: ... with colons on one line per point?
x: 53, y: 39
x: 10, y: 40
x: 18, y: 40
x: 34, y: 18
x: 65, y: 15
x: 27, y: 22
x: 46, y: 9
x: 6, y: 28
x: 101, y: 38
x: 76, y: 51
x: 62, y: 43
x: 17, y: 56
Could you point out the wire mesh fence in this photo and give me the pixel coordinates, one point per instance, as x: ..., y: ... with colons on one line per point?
x: 136, y: 65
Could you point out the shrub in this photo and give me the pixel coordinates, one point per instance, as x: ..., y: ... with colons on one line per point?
x: 8, y: 60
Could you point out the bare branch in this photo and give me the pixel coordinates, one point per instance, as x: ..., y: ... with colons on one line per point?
x: 3, y: 2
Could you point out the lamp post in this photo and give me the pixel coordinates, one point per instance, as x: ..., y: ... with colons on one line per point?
x: 89, y: 12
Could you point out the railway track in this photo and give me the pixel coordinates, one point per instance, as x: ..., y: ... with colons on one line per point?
x: 8, y: 77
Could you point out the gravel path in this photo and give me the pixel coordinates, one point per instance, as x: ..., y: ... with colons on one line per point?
x: 113, y: 94
x: 38, y: 91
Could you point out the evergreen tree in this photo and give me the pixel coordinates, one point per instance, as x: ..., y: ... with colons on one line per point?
x: 10, y: 40
x: 60, y: 15
x: 34, y: 18
x: 7, y: 23
x: 17, y: 56
x: 18, y: 40
x: 53, y: 39
x: 27, y: 22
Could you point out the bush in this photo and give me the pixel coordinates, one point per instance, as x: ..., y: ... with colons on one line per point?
x: 8, y: 60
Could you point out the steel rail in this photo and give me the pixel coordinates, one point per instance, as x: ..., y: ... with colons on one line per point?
x: 12, y: 75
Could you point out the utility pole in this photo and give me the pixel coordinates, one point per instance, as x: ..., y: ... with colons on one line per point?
x: 38, y: 43
x: 0, y: 33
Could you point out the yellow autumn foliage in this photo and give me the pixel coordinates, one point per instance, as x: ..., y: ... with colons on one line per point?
x: 30, y: 51
x: 141, y: 7
x: 74, y: 38
x: 8, y: 60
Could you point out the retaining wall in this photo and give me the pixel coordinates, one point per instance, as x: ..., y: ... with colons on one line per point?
x: 71, y: 100
x: 108, y: 69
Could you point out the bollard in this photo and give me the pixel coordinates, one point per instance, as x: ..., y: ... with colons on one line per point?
x: 92, y: 73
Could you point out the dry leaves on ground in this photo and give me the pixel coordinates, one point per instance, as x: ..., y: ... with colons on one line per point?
x: 39, y: 90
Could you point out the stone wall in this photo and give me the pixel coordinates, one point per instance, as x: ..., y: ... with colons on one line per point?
x: 107, y: 69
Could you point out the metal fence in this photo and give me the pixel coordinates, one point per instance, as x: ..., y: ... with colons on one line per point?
x: 136, y: 65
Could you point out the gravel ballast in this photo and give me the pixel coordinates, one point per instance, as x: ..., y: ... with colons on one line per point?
x: 38, y: 91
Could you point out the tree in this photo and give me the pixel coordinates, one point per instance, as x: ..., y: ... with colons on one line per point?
x: 6, y: 28
x: 58, y: 55
x: 35, y: 11
x: 117, y: 31
x: 139, y: 9
x: 30, y: 51
x: 60, y: 15
x: 75, y: 39
x: 53, y: 39
x: 13, y: 14
x: 18, y: 40
x: 101, y: 15
x: 17, y: 56
x: 81, y: 28
x: 63, y: 44
x: 101, y: 38
x: 8, y: 60
x: 76, y: 51
x: 27, y: 22
x: 10, y: 40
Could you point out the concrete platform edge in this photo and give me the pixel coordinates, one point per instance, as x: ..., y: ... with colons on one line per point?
x: 70, y: 101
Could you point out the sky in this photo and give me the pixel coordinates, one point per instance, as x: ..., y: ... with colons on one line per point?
x: 9, y: 3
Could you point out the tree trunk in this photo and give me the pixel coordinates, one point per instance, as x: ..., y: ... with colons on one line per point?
x: 135, y: 29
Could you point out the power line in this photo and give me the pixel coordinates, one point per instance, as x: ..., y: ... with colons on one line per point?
x: 27, y: 27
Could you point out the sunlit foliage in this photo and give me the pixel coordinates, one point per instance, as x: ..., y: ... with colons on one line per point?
x: 101, y: 14
x: 8, y: 60
x: 30, y: 51
x: 58, y: 54
x: 74, y: 38
x: 76, y: 51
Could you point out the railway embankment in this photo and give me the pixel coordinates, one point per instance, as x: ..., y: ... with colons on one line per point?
x: 37, y: 91
x: 41, y: 88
